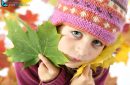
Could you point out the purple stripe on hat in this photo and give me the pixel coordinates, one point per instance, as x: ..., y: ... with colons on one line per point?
x: 104, y: 14
x: 95, y: 30
x: 123, y: 3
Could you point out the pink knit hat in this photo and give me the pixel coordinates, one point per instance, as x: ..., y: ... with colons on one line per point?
x: 103, y: 19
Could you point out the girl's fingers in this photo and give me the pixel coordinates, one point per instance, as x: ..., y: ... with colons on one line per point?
x: 46, y: 62
x: 85, y: 78
x: 87, y: 74
x: 86, y: 71
x: 90, y: 73
x: 46, y: 70
x: 42, y: 67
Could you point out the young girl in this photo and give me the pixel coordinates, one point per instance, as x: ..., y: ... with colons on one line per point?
x: 87, y: 28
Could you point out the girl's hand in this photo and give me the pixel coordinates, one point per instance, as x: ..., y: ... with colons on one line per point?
x: 46, y: 70
x: 85, y: 78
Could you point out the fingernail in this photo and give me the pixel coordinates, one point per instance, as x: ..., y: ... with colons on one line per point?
x: 39, y: 55
x: 87, y: 67
x: 90, y: 72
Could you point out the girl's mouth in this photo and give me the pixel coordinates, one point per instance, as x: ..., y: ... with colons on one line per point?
x: 72, y: 58
x: 75, y: 60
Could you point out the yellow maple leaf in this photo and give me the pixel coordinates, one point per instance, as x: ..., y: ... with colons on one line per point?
x: 107, y: 52
x: 11, y: 16
x: 122, y: 56
x: 25, y: 1
x: 79, y: 71
x: 105, y: 59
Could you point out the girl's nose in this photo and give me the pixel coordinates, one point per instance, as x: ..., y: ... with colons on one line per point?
x: 83, y: 48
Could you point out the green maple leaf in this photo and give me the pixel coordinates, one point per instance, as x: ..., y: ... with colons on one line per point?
x: 53, y: 2
x: 27, y: 45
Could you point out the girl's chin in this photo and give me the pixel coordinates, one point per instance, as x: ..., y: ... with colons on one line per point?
x: 70, y: 66
x: 73, y: 65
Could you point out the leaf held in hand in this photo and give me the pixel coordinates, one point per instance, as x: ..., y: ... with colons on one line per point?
x: 27, y: 45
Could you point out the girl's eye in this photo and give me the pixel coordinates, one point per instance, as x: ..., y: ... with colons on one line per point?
x: 77, y: 34
x: 97, y: 43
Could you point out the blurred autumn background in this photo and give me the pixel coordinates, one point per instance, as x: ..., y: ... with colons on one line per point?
x: 35, y: 12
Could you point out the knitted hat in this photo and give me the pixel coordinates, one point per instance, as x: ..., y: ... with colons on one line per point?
x: 103, y: 19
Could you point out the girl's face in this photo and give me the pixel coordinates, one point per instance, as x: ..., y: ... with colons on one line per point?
x: 78, y: 46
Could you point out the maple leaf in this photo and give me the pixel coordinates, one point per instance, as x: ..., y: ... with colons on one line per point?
x: 110, y: 80
x: 2, y: 44
x: 10, y: 9
x: 4, y: 61
x: 29, y: 17
x: 126, y: 34
x: 122, y: 55
x: 53, y: 2
x: 10, y: 79
x: 126, y: 27
x: 28, y: 44
x: 25, y: 1
x: 12, y: 6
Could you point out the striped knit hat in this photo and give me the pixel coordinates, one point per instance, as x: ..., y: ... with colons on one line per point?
x: 103, y: 19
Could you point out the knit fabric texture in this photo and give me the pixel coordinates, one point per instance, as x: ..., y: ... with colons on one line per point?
x: 103, y: 19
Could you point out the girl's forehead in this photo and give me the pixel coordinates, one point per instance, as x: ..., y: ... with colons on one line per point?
x: 70, y: 28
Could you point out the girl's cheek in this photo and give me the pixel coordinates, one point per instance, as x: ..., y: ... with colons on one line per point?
x: 68, y: 37
x: 65, y: 42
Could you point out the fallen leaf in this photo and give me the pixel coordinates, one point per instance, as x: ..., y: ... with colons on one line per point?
x: 4, y: 61
x: 53, y: 2
x: 12, y: 6
x: 27, y: 45
x: 2, y: 44
x: 10, y: 79
x: 29, y: 17
x: 25, y: 1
